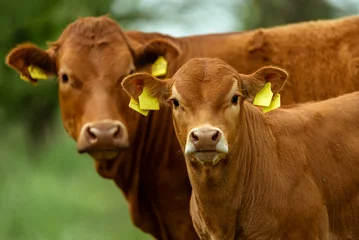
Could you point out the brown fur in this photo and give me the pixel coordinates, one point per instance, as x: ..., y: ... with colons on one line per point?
x: 289, y: 174
x: 96, y: 55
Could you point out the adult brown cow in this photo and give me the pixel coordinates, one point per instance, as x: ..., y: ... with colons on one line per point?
x: 287, y: 174
x: 92, y: 56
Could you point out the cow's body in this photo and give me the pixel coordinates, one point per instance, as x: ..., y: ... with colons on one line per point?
x: 307, y: 50
x: 290, y: 174
x: 319, y: 55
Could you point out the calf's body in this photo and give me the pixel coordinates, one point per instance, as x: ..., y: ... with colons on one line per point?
x: 93, y: 55
x: 293, y: 174
x: 286, y: 174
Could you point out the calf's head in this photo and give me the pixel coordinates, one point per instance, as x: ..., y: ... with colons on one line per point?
x: 90, y: 59
x: 207, y: 97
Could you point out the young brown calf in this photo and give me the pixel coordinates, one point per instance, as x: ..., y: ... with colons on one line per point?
x: 287, y: 174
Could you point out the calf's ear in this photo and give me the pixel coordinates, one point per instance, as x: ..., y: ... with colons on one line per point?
x: 253, y: 83
x: 135, y: 83
x: 31, y: 62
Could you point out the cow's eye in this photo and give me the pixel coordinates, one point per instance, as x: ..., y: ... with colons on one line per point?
x: 234, y: 100
x: 175, y: 102
x: 64, y: 78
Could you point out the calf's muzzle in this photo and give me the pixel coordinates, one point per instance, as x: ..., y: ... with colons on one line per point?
x: 205, y: 139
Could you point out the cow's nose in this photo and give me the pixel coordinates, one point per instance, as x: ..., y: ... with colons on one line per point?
x: 205, y: 139
x: 103, y: 133
x: 102, y: 136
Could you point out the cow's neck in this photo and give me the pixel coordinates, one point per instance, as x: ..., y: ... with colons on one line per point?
x: 233, y: 190
x: 147, y: 174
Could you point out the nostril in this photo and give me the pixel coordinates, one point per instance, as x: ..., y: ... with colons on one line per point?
x: 215, y: 136
x: 194, y: 137
x: 91, y: 135
x: 116, y: 132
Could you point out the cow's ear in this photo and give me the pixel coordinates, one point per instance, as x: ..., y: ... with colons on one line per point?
x: 160, y: 47
x: 255, y: 82
x: 28, y: 55
x: 135, y: 83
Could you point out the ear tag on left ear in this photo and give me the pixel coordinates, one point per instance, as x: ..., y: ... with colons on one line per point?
x: 275, y: 103
x: 26, y: 79
x: 159, y: 67
x: 147, y: 102
x: 36, y: 72
x: 135, y: 106
x: 263, y: 97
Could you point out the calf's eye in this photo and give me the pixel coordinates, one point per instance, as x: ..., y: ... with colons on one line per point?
x: 234, y: 100
x: 175, y: 102
x: 64, y: 78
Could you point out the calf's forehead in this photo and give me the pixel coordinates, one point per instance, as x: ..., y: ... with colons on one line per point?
x: 205, y: 80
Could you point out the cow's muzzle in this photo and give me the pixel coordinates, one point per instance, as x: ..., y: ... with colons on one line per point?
x: 103, y: 140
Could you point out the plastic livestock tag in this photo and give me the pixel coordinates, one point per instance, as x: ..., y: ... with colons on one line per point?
x: 134, y: 105
x: 36, y: 72
x: 263, y: 97
x: 147, y: 102
x: 159, y: 67
x: 275, y: 103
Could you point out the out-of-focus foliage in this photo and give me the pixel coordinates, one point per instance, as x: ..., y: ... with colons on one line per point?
x: 60, y: 198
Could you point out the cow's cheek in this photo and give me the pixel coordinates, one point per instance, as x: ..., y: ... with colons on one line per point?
x: 70, y: 114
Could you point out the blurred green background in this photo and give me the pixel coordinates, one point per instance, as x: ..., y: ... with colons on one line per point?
x: 47, y: 190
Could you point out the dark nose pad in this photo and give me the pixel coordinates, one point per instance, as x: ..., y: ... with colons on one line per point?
x: 103, y: 136
x: 205, y: 139
x: 95, y: 134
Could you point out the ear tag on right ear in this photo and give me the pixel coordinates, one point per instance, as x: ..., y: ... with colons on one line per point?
x: 264, y: 97
x: 147, y: 102
x: 159, y: 67
x: 135, y: 106
x: 275, y: 103
x: 36, y: 72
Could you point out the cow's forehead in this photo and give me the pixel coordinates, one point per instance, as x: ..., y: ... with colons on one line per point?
x: 205, y: 79
x: 95, y: 61
x: 96, y: 42
x: 91, y: 28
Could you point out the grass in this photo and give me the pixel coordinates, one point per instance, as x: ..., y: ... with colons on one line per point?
x: 57, y: 195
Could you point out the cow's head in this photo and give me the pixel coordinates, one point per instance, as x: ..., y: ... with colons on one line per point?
x: 207, y: 96
x: 90, y: 59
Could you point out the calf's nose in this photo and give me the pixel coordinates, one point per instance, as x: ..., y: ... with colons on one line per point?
x: 102, y: 136
x: 205, y: 139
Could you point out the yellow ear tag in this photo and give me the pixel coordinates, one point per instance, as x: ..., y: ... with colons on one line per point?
x: 159, y: 67
x: 23, y: 77
x: 263, y: 97
x: 26, y: 79
x: 134, y: 105
x: 147, y: 102
x: 36, y: 72
x: 275, y: 103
